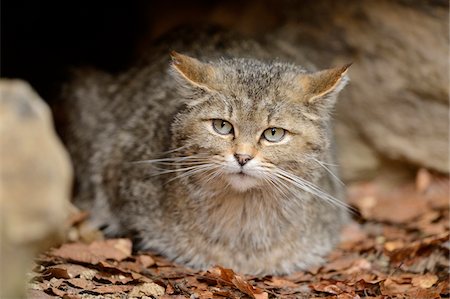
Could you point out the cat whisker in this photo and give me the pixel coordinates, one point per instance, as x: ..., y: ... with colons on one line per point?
x: 322, y: 164
x: 310, y: 188
x: 167, y: 171
x: 214, y: 175
x: 175, y: 150
x: 180, y: 163
x: 325, y: 163
x: 268, y: 177
x: 172, y: 159
x: 197, y: 169
x: 273, y: 182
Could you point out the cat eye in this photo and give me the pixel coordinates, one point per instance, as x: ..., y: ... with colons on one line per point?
x: 274, y: 134
x: 222, y: 126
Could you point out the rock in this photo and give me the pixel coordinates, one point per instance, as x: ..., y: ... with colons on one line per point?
x: 396, y: 106
x: 35, y: 180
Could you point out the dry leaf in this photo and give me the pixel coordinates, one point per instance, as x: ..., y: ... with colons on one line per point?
x: 424, y: 281
x: 145, y: 260
x: 116, y: 249
x: 112, y: 288
x: 81, y: 283
x: 229, y: 276
x: 67, y: 271
x: 146, y: 289
x: 277, y: 282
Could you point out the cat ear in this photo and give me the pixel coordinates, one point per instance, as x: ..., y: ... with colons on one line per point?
x: 193, y: 71
x: 323, y: 84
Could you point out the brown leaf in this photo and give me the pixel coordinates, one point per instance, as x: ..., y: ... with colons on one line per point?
x: 262, y: 295
x: 81, y: 283
x: 145, y: 260
x: 280, y: 283
x: 114, y: 278
x: 444, y: 286
x: 393, y: 287
x: 206, y: 295
x: 358, y: 266
x: 245, y: 287
x: 394, y: 245
x: 112, y: 288
x: 116, y: 249
x: 367, y: 287
x: 130, y: 266
x: 410, y: 251
x: 424, y: 281
x: 146, y: 289
x: 299, y: 277
x: 348, y: 296
x: 332, y: 287
x: 339, y: 264
x: 66, y: 271
x: 169, y: 289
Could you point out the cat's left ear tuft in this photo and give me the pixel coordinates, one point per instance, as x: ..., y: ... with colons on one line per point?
x: 193, y: 71
x: 324, y: 83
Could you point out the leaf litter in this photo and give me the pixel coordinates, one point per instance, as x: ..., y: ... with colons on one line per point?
x: 396, y: 247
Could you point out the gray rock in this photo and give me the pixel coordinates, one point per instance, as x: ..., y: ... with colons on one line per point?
x: 35, y: 180
x: 396, y: 106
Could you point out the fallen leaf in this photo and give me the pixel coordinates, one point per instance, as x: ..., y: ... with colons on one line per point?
x: 145, y: 260
x: 66, y: 271
x: 409, y: 251
x: 393, y: 245
x: 424, y: 281
x: 245, y: 287
x: 115, y: 249
x: 391, y: 287
x: 146, y: 289
x: 339, y: 264
x: 206, y: 295
x: 277, y: 282
x: 112, y: 288
x: 81, y: 283
x: 332, y: 287
x: 348, y: 296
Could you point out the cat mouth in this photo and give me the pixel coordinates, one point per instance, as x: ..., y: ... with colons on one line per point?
x: 242, y: 174
x: 242, y: 181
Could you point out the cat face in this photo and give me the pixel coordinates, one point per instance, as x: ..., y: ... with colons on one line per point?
x: 249, y: 124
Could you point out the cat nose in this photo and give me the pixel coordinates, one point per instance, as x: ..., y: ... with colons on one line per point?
x: 242, y: 158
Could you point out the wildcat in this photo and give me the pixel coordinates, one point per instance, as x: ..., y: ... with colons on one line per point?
x: 221, y: 156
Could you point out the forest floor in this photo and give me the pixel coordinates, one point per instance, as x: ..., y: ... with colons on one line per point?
x: 396, y: 247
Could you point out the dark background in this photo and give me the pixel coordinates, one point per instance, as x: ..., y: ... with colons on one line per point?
x: 41, y: 39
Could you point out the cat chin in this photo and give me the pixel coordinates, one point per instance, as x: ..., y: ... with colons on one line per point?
x: 242, y: 182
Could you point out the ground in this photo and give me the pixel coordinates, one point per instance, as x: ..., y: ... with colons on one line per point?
x: 396, y: 247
